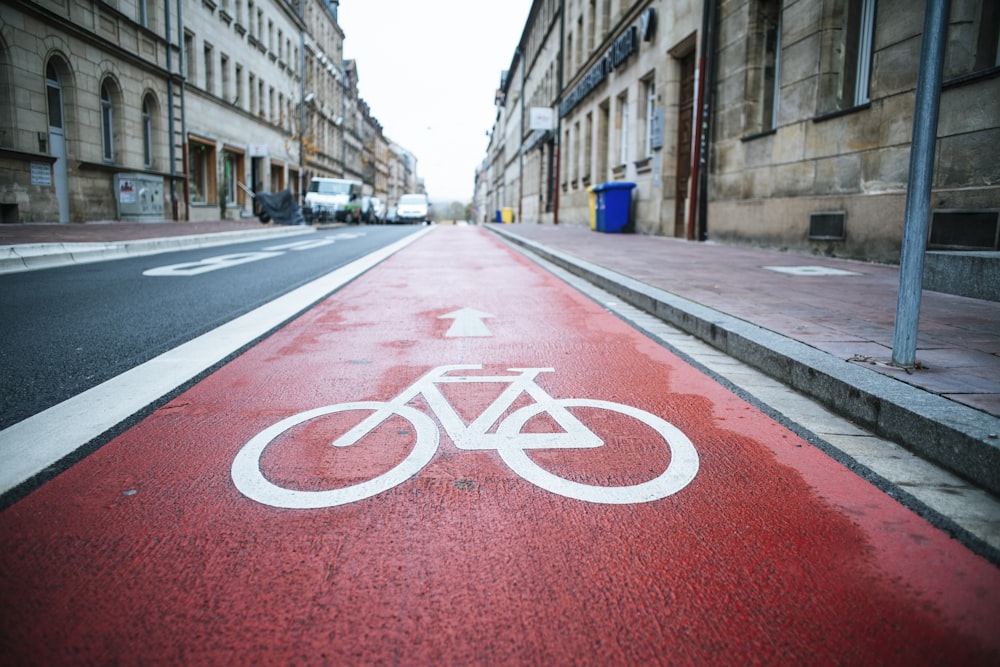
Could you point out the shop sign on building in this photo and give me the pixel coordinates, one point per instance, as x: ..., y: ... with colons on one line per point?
x: 626, y: 44
x: 541, y: 118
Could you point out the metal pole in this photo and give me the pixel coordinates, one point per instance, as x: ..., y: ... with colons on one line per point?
x: 918, y: 192
x: 520, y: 142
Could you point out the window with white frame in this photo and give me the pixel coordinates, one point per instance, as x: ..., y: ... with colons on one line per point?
x: 621, y: 124
x: 649, y: 93
x: 859, y: 28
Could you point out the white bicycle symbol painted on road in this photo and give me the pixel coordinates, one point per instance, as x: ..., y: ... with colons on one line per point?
x: 508, y: 440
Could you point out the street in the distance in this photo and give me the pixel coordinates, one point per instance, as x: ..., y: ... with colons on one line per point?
x: 459, y: 459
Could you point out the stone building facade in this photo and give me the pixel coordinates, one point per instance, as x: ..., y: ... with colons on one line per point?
x: 167, y: 109
x: 782, y: 123
x: 811, y: 137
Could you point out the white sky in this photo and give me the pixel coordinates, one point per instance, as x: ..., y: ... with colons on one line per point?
x: 428, y: 70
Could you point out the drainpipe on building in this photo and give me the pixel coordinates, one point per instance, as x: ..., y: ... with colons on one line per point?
x: 559, y: 87
x: 302, y: 105
x: 520, y: 141
x: 184, y: 137
x: 170, y: 114
x: 698, y: 204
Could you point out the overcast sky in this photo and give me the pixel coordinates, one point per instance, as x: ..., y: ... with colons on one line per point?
x: 428, y: 70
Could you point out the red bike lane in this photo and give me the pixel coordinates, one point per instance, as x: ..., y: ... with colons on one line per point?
x: 157, y: 549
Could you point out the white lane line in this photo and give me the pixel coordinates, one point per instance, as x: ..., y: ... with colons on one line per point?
x: 32, y: 445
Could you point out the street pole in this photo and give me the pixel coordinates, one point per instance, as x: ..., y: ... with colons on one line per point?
x: 918, y: 192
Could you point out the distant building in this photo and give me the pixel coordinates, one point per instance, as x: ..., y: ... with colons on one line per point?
x: 135, y: 111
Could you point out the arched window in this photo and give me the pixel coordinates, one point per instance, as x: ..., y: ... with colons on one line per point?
x: 147, y: 133
x: 107, y: 124
x: 53, y: 88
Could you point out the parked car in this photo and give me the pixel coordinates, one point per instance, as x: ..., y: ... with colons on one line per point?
x: 372, y: 210
x: 390, y: 215
x: 414, y: 208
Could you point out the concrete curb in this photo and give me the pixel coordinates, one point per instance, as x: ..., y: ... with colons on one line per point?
x: 935, y: 428
x: 32, y: 256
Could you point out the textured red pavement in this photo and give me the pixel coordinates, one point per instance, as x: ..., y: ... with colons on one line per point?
x: 849, y: 316
x: 145, y: 553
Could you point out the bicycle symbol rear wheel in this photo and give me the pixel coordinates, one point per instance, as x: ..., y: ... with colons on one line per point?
x: 252, y: 483
x: 682, y: 468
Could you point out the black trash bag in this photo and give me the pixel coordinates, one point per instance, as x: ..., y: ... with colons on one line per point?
x: 279, y: 207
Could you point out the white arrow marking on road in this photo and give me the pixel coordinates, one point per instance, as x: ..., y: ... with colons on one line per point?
x: 468, y: 323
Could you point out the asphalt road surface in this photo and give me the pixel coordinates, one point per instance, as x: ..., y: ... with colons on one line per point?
x: 67, y: 329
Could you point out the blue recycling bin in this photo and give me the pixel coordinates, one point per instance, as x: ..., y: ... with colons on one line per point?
x: 614, y: 205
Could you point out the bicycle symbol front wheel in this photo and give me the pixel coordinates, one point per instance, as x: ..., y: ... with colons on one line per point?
x: 252, y: 483
x: 681, y: 470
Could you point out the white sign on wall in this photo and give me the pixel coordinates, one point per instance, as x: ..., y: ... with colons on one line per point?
x: 541, y: 118
x: 41, y: 173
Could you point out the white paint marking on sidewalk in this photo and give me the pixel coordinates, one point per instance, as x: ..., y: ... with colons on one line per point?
x: 30, y: 446
x: 468, y: 324
x: 812, y: 271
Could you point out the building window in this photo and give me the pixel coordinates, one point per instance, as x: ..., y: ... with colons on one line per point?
x: 621, y: 124
x: 576, y: 154
x: 202, y: 177
x: 53, y: 90
x: 649, y: 111
x: 107, y: 124
x: 764, y: 65
x: 858, y: 32
x: 209, y: 70
x: 569, y: 54
x: 238, y: 99
x: 189, y: 56
x: 973, y: 43
x: 603, y: 128
x: 591, y: 20
x: 147, y: 133
x: 565, y: 159
x: 143, y: 13
x: 224, y: 75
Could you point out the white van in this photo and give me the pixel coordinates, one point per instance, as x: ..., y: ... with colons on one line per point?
x: 334, y: 198
x: 413, y: 208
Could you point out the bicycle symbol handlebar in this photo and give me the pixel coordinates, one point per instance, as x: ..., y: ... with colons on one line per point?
x: 508, y: 441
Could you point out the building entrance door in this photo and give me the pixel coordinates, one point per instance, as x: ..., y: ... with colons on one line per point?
x: 685, y: 107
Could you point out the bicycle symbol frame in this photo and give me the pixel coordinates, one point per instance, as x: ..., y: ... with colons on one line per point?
x: 507, y: 440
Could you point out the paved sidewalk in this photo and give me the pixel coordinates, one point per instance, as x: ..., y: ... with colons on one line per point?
x: 824, y: 326
x: 25, y: 247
